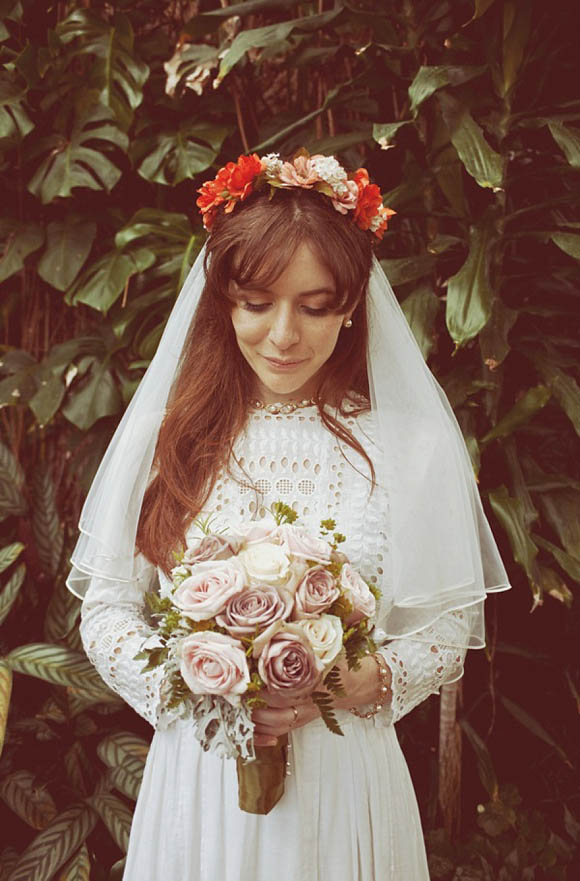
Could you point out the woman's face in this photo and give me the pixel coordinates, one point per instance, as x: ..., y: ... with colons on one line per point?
x: 288, y: 331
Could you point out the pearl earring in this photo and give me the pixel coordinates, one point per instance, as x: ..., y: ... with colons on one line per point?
x: 347, y: 323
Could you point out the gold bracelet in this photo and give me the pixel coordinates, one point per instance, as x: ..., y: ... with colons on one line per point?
x: 384, y: 690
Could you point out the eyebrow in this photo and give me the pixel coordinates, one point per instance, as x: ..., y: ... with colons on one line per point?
x: 310, y: 293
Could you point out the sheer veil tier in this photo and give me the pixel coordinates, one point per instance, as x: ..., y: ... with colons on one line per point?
x: 444, y: 556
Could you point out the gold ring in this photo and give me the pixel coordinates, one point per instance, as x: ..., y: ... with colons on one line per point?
x: 293, y: 722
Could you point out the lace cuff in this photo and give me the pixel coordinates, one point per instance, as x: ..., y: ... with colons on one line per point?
x: 421, y: 664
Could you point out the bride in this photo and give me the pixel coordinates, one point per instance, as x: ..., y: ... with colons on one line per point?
x: 287, y: 372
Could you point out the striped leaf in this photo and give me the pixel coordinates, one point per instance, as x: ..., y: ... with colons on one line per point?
x: 5, y: 692
x: 56, y: 664
x: 78, y: 868
x: 12, y: 500
x: 79, y: 700
x: 77, y: 767
x: 10, y: 591
x: 8, y: 859
x: 9, y: 553
x: 127, y: 783
x: 46, y: 526
x: 116, y: 816
x: 124, y: 750
x: 32, y: 803
x: 55, y: 845
x: 62, y: 613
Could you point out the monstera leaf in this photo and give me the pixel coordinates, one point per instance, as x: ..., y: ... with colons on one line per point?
x: 180, y: 154
x: 14, y: 120
x: 78, y: 159
x: 117, y: 73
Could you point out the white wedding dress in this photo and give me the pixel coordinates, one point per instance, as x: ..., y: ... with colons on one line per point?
x: 349, y: 811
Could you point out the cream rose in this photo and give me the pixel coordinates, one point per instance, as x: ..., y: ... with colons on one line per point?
x: 210, y: 547
x: 324, y: 635
x: 254, y: 531
x: 286, y: 662
x: 315, y: 594
x: 265, y: 563
x: 346, y: 200
x: 213, y: 663
x: 298, y: 542
x: 208, y: 588
x: 255, y: 607
x: 358, y: 593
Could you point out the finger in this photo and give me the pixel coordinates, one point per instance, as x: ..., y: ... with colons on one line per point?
x: 265, y: 740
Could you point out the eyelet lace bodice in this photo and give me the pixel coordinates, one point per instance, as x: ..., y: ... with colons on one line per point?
x: 295, y: 459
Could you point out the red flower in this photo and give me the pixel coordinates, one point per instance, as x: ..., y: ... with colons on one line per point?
x: 242, y: 175
x: 367, y: 207
x: 234, y: 182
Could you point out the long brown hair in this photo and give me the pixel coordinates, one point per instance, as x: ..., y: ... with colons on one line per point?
x: 209, y: 401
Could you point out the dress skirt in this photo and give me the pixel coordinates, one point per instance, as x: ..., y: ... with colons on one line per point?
x: 348, y: 813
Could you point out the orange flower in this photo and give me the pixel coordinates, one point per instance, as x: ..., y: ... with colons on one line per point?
x: 242, y: 175
x: 367, y: 207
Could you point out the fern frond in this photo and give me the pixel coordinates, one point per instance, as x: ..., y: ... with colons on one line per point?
x: 326, y: 707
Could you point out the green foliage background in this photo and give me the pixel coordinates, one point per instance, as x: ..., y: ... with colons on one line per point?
x: 466, y: 113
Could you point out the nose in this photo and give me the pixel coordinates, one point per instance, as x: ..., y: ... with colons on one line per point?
x: 284, y: 330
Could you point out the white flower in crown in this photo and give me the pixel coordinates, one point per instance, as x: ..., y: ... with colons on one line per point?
x: 330, y: 171
x: 272, y: 164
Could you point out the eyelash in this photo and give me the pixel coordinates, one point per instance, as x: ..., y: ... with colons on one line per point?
x: 261, y: 307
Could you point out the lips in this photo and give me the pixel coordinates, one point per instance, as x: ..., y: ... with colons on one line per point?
x: 278, y: 363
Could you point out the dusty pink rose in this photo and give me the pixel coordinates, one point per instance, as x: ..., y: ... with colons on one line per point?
x: 300, y: 543
x: 213, y: 663
x: 286, y: 661
x: 255, y: 607
x: 358, y: 593
x: 208, y: 588
x: 315, y: 593
x: 300, y: 173
x: 210, y: 547
x: 346, y: 201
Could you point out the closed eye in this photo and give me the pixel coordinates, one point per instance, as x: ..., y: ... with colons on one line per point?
x: 261, y: 307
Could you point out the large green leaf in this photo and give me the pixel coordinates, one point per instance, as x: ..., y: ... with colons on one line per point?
x: 15, y: 123
x: 18, y: 241
x: 96, y: 396
x: 46, y: 526
x: 79, y: 160
x: 533, y: 726
x: 469, y: 294
x: 116, y: 816
x: 525, y: 407
x: 511, y: 514
x: 569, y: 242
x: 562, y: 510
x: 67, y: 247
x: 485, y: 767
x: 32, y: 802
x: 5, y: 693
x: 62, y: 613
x: 493, y: 338
x: 563, y: 386
x: 47, y: 399
x: 117, y: 72
x: 57, y: 664
x: 516, y: 30
x: 385, y: 132
x: 568, y: 139
x: 182, y: 152
x: 479, y: 159
x: 55, y: 844
x: 400, y: 270
x: 569, y: 564
x: 106, y: 279
x: 271, y: 35
x: 420, y: 308
x: 429, y: 79
x: 10, y: 591
x: 126, y: 783
x: 12, y: 501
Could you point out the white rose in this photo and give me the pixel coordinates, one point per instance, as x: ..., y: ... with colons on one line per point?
x: 266, y: 563
x: 300, y: 543
x: 324, y: 635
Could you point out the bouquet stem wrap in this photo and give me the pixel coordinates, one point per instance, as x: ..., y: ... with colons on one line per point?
x: 261, y: 781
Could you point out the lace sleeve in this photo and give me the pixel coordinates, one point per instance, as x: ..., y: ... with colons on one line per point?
x: 112, y: 634
x: 422, y: 663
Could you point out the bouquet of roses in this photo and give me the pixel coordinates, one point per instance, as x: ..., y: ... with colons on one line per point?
x: 266, y: 608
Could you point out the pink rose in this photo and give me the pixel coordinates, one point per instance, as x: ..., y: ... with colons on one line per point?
x: 255, y: 607
x: 315, y: 593
x: 210, y: 547
x: 300, y: 173
x: 213, y: 663
x: 298, y: 542
x: 206, y: 591
x: 357, y: 591
x: 286, y: 661
x: 253, y: 531
x: 346, y: 201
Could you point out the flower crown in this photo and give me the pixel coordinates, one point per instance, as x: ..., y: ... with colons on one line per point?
x: 348, y: 193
